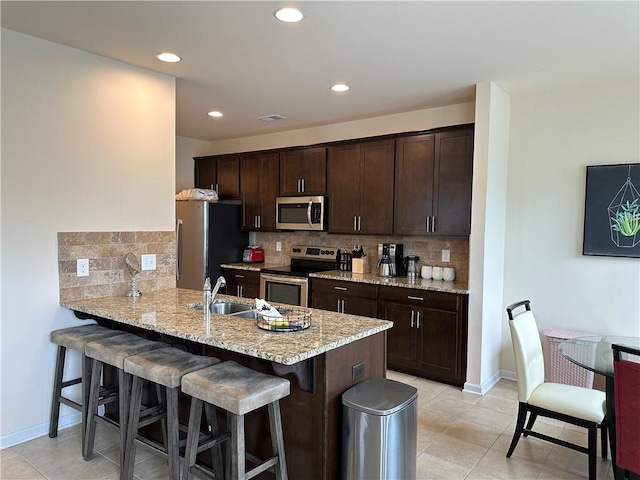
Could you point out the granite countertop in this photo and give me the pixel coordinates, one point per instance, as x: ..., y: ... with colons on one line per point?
x: 371, y: 278
x: 166, y: 311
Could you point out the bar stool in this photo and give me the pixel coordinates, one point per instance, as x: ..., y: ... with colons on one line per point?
x: 112, y: 351
x: 75, y: 338
x: 238, y: 390
x: 164, y: 367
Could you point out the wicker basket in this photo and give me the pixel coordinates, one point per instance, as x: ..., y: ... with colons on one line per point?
x: 557, y: 368
x: 292, y: 320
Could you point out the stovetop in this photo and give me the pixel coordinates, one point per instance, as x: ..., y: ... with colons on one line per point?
x: 306, y: 260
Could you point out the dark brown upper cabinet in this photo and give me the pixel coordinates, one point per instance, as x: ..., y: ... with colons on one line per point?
x: 259, y: 180
x: 303, y: 172
x: 433, y: 183
x: 220, y: 173
x: 360, y: 187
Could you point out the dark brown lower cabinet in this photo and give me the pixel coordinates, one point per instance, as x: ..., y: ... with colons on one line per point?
x: 344, y: 297
x: 242, y: 283
x: 429, y: 335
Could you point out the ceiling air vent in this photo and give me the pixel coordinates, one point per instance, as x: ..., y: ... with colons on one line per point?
x: 272, y: 118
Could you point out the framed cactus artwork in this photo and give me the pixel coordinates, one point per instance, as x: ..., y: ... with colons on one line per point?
x: 612, y: 211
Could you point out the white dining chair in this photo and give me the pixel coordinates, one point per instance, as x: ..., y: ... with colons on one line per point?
x: 579, y: 406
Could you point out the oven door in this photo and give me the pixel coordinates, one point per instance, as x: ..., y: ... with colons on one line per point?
x: 284, y: 289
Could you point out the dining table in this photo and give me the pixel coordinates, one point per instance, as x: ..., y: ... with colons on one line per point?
x: 595, y: 354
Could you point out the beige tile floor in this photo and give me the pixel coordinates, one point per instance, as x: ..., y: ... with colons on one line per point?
x: 460, y: 436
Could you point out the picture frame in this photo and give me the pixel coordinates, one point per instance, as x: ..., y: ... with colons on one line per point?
x: 612, y: 210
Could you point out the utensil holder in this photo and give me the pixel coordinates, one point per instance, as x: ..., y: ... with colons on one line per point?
x: 360, y: 265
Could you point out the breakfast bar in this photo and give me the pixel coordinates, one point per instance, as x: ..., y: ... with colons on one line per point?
x: 319, y: 361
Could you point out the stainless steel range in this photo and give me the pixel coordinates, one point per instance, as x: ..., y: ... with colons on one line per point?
x: 290, y: 283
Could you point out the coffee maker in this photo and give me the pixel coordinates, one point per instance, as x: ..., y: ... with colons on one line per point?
x: 395, y: 254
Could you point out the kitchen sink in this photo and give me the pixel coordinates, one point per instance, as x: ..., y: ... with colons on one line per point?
x: 227, y: 308
x: 250, y: 314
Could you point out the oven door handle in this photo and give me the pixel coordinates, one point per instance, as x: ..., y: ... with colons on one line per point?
x: 309, y: 213
x: 284, y: 279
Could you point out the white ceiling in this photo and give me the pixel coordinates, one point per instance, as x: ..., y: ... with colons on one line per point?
x: 396, y: 56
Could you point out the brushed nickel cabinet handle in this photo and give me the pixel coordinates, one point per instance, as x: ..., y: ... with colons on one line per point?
x: 415, y: 298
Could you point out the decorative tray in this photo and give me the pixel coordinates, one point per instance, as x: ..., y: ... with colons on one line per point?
x: 290, y: 320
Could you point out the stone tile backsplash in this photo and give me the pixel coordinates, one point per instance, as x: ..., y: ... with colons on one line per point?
x: 108, y: 273
x: 427, y: 248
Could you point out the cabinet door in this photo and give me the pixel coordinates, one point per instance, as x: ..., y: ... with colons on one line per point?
x: 414, y: 184
x: 303, y: 172
x: 344, y: 187
x: 376, y: 207
x: 242, y: 283
x: 360, y: 306
x: 315, y: 171
x: 291, y: 172
x: 204, y: 172
x: 228, y: 177
x: 452, y: 183
x: 269, y: 173
x: 401, y: 338
x: 325, y: 301
x: 250, y: 191
x: 440, y: 344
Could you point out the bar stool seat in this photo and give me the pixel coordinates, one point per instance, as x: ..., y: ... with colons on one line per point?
x: 238, y: 390
x: 164, y: 367
x: 75, y: 338
x: 112, y: 351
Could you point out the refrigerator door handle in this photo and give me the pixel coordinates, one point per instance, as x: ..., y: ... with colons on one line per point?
x: 180, y: 249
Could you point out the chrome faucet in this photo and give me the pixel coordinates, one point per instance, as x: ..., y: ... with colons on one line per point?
x: 221, y: 282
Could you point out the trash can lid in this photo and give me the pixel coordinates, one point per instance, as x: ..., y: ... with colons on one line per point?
x: 379, y: 396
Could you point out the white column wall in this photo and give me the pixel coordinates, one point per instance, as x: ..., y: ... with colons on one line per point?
x: 486, y: 243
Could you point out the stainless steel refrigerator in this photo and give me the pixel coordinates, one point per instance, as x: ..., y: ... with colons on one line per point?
x: 207, y: 234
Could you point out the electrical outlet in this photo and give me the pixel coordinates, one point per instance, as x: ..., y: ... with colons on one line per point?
x: 446, y: 255
x: 278, y: 246
x: 357, y: 372
x: 148, y: 262
x: 82, y: 267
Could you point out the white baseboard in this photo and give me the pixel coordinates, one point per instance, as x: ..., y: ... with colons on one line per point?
x: 489, y: 383
x: 36, y: 431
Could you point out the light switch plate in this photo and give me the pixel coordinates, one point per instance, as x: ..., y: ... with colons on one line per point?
x: 278, y: 246
x: 148, y: 262
x: 446, y: 255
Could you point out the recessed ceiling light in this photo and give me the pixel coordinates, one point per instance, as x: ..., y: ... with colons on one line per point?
x: 340, y: 87
x: 168, y: 57
x: 215, y: 113
x: 289, y: 15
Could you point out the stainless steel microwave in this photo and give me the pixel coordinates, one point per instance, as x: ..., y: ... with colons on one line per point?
x: 301, y: 213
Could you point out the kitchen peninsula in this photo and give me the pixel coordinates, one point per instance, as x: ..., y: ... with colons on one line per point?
x: 318, y: 361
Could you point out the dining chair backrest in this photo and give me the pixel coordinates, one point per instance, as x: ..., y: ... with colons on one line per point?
x: 626, y: 377
x: 527, y: 349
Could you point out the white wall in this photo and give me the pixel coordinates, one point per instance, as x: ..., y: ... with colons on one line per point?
x: 88, y: 144
x: 403, y: 122
x: 186, y: 149
x: 553, y: 137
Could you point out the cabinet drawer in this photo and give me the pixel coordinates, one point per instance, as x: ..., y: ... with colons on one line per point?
x: 345, y: 289
x: 420, y: 298
x: 236, y: 276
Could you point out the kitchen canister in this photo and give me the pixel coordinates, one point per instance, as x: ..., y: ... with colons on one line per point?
x: 449, y: 274
x: 425, y: 272
x: 436, y: 273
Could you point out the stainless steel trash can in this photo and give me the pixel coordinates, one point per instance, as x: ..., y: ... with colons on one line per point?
x: 379, y: 436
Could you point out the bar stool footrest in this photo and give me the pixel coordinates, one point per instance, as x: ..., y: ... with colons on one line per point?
x: 262, y: 467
